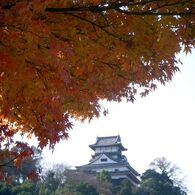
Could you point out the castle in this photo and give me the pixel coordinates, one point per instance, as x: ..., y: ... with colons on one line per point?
x: 108, y: 156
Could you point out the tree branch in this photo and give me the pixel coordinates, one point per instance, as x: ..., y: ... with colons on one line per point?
x: 147, y: 13
x: 98, y: 8
x: 169, y: 4
x: 8, y: 162
x: 119, y: 6
x: 97, y: 25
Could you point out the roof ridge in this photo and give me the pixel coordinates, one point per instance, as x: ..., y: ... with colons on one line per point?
x: 104, y: 137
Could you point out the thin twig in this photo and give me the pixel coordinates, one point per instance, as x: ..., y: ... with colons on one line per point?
x: 99, y: 26
x: 8, y: 162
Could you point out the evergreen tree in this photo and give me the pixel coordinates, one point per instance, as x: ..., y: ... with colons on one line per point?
x: 125, y: 188
x: 160, y: 180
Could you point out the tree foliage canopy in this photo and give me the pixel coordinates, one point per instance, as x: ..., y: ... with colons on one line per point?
x: 20, y: 164
x: 162, y: 179
x: 58, y: 180
x: 59, y: 58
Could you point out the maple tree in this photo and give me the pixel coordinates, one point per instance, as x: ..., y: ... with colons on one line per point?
x: 59, y: 58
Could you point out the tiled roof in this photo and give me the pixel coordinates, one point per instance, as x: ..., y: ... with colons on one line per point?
x: 107, y: 141
x: 103, y: 141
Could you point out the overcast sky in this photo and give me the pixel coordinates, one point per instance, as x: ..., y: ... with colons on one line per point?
x: 162, y: 124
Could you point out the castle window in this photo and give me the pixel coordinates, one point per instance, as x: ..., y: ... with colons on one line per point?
x: 104, y: 159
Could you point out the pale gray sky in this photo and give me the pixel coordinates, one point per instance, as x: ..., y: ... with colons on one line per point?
x: 162, y: 124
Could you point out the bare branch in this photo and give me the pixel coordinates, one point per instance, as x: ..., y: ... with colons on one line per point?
x: 97, y: 25
x: 119, y: 6
x: 12, y: 160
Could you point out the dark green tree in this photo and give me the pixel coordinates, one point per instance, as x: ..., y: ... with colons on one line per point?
x: 85, y: 188
x: 49, y: 184
x: 52, y: 180
x: 160, y: 180
x: 122, y: 187
x: 28, y: 187
x: 5, y: 189
x: 125, y: 188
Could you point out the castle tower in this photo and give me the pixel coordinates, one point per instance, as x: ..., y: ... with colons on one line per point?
x: 108, y: 156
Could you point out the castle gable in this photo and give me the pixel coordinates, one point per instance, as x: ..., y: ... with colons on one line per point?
x: 103, y: 159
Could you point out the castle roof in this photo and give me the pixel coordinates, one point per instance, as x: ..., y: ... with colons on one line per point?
x: 120, y: 161
x: 108, y: 156
x: 108, y: 141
